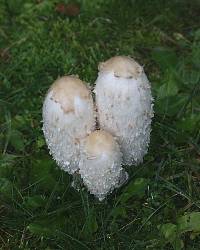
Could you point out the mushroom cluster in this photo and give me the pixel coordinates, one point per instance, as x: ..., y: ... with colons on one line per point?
x: 96, y: 138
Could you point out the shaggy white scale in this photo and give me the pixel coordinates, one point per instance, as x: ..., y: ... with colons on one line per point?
x: 124, y: 113
x: 124, y: 104
x: 68, y: 116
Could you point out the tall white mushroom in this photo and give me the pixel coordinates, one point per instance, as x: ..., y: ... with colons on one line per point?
x: 68, y: 117
x: 100, y: 165
x: 124, y: 104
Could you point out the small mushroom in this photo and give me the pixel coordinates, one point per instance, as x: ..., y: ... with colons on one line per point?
x: 68, y: 116
x: 100, y: 165
x: 123, y: 94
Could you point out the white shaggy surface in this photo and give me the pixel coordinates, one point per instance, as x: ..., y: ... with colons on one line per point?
x: 63, y: 131
x: 100, y: 165
x: 125, y: 110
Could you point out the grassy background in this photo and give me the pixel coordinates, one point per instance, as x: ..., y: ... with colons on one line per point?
x: 160, y: 206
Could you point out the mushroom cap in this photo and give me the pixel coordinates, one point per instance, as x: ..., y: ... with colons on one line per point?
x: 100, y: 142
x: 124, y: 104
x: 66, y: 88
x: 68, y: 116
x: 121, y: 66
x: 100, y: 165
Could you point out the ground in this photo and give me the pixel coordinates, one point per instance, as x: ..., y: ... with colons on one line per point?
x: 160, y: 206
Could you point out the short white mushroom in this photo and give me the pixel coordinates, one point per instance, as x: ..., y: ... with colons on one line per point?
x: 124, y: 104
x: 100, y: 165
x: 68, y: 116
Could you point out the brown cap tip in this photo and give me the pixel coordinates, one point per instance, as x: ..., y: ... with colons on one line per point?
x: 65, y: 89
x: 98, y: 142
x: 122, y: 66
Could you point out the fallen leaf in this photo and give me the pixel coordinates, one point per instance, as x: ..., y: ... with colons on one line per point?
x: 60, y: 8
x: 70, y: 9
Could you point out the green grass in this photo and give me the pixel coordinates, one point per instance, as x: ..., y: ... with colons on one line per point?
x: 160, y: 206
